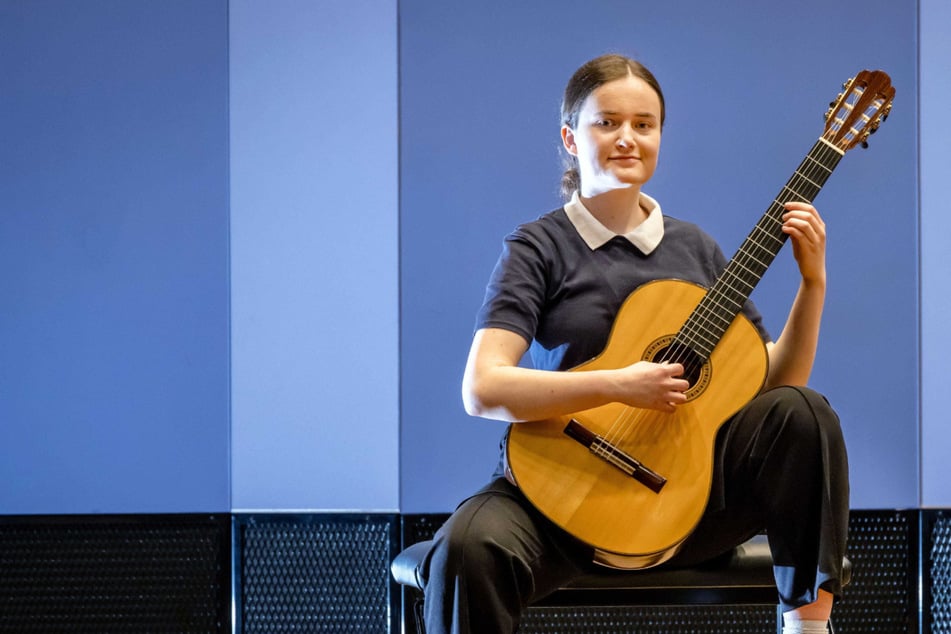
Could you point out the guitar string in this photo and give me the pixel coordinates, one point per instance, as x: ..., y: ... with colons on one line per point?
x: 707, y: 318
x: 817, y: 171
x: 708, y: 312
x: 628, y: 419
x: 711, y: 308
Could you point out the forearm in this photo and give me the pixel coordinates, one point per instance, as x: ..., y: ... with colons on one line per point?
x: 517, y: 394
x: 495, y: 386
x: 792, y: 357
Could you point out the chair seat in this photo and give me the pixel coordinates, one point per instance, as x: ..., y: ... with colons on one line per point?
x: 745, y: 575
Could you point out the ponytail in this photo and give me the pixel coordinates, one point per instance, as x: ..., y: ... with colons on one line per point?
x: 570, y: 180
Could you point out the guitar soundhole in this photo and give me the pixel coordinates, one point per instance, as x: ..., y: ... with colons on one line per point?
x: 696, y: 370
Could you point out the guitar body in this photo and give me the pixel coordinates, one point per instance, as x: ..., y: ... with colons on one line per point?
x: 630, y: 525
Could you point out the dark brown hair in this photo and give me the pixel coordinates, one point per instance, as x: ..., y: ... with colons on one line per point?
x: 587, y: 79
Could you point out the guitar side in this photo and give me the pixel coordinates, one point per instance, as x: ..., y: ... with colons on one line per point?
x: 631, y: 525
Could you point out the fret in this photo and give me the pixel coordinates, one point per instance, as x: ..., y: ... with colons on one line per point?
x: 808, y: 180
x: 730, y: 275
x: 707, y: 343
x: 750, y: 256
x: 756, y: 274
x: 722, y: 316
x: 821, y: 165
x: 737, y: 305
x: 766, y: 239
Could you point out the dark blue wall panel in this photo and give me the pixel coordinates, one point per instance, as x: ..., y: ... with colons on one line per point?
x: 746, y: 86
x: 113, y: 256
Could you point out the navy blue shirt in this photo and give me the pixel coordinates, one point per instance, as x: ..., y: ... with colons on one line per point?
x: 551, y: 288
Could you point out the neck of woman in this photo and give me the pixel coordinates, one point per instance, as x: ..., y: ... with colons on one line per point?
x: 619, y: 210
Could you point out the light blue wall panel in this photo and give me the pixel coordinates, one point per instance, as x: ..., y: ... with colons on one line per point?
x: 935, y: 253
x: 113, y: 256
x: 747, y: 84
x: 314, y: 215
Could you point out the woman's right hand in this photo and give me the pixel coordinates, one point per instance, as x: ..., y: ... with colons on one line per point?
x: 651, y: 385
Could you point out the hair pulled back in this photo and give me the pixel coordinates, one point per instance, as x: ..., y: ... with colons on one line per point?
x: 588, y: 78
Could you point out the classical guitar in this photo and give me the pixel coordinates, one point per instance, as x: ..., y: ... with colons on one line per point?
x: 633, y: 483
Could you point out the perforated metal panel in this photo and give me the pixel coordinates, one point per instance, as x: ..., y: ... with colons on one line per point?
x: 938, y: 582
x: 327, y: 573
x: 114, y: 574
x: 651, y: 620
x: 330, y: 573
x: 882, y: 597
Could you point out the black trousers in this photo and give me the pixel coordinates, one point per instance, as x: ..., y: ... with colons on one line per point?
x: 780, y: 465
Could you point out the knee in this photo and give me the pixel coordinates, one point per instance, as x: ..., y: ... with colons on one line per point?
x: 453, y: 547
x: 459, y: 552
x: 807, y: 418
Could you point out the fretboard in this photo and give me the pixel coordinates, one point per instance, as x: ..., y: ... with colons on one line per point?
x: 710, y: 320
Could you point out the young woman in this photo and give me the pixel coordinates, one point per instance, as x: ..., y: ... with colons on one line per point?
x: 780, y: 462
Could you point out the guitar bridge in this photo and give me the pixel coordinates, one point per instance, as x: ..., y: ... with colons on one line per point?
x: 615, y: 456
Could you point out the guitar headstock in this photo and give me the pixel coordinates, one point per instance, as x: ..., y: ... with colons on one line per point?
x: 860, y: 108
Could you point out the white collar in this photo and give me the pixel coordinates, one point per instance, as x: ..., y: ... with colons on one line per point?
x: 645, y: 236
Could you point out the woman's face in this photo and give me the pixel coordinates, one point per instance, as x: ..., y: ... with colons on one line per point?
x: 617, y: 137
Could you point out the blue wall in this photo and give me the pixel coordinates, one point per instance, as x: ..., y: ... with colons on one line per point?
x: 114, y: 256
x: 242, y: 244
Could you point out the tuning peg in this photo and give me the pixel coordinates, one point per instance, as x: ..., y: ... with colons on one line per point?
x: 864, y: 145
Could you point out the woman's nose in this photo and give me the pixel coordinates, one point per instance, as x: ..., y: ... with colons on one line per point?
x: 625, y: 138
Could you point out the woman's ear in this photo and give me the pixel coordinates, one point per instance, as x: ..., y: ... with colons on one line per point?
x: 568, y: 139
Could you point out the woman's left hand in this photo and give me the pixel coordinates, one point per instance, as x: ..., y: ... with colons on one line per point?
x: 805, y: 227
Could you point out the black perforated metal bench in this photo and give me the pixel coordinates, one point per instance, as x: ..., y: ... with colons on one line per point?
x: 745, y: 577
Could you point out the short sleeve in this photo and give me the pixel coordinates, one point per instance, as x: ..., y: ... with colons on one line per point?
x: 515, y: 293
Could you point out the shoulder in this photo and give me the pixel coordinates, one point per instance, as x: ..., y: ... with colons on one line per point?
x: 688, y: 235
x: 686, y: 229
x: 695, y: 250
x: 548, y: 227
x: 550, y: 237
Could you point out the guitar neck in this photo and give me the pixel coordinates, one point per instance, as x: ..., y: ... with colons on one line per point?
x: 706, y: 325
